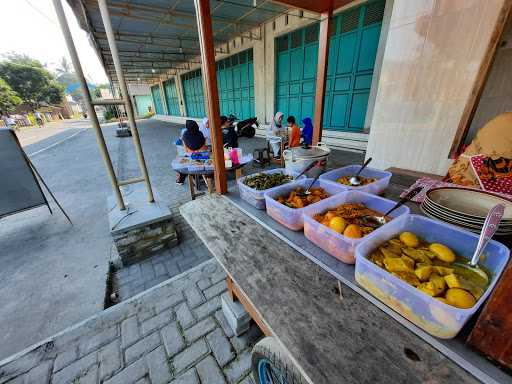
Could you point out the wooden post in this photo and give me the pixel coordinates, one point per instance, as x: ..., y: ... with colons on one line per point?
x: 204, y: 27
x: 321, y: 74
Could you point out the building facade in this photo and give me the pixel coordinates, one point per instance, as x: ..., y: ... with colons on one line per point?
x: 400, y: 76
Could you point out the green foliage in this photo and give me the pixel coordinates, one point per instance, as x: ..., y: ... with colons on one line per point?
x: 8, y: 98
x: 30, y: 80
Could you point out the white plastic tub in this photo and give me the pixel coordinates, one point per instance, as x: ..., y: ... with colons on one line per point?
x: 256, y: 197
x: 335, y: 244
x: 375, y: 188
x: 438, y: 319
x: 291, y: 217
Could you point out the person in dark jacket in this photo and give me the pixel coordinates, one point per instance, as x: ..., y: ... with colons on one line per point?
x: 193, y: 138
x: 307, y: 131
x: 229, y: 135
x: 193, y: 141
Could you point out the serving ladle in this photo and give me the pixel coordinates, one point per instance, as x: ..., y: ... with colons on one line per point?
x: 381, y: 220
x: 491, y: 224
x: 356, y: 180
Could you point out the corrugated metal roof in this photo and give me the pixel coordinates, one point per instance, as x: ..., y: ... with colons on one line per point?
x: 155, y: 36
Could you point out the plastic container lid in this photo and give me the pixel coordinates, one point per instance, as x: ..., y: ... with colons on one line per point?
x: 438, y: 319
x: 334, y: 243
x: 256, y: 197
x: 292, y: 217
x: 376, y: 188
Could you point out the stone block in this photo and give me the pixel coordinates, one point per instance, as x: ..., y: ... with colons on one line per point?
x: 209, y: 371
x: 143, y: 346
x: 129, y: 374
x: 235, y: 314
x: 184, y: 316
x: 156, y: 322
x: 189, y: 377
x: 159, y: 372
x: 173, y: 340
x: 238, y: 368
x: 130, y: 332
x: 75, y: 370
x: 110, y: 359
x: 221, y: 319
x: 215, y: 290
x: 194, y: 296
x: 220, y: 346
x: 190, y: 356
x: 89, y: 343
x: 200, y: 329
x: 207, y: 308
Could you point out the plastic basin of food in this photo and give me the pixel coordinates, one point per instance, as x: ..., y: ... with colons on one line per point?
x: 292, y: 217
x: 438, y: 319
x: 256, y: 197
x: 375, y: 188
x: 334, y: 243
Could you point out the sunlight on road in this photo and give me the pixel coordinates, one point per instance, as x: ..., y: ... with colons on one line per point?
x: 31, y: 135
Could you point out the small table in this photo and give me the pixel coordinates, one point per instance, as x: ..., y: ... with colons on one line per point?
x: 195, y: 169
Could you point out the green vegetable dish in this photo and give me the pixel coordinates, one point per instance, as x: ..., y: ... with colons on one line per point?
x: 263, y: 181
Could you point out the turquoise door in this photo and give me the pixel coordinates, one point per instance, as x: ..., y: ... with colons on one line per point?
x: 353, y: 47
x: 296, y: 60
x: 171, y: 97
x: 143, y: 103
x: 157, y: 100
x: 193, y: 92
x: 235, y: 83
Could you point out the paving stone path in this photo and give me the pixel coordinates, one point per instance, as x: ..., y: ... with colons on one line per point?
x: 173, y: 333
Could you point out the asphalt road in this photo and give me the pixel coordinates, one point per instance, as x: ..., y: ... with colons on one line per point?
x: 53, y: 274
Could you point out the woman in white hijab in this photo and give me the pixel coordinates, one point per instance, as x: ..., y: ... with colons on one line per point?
x: 274, y: 132
x: 204, y: 127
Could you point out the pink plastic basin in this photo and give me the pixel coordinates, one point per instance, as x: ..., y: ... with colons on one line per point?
x: 334, y: 243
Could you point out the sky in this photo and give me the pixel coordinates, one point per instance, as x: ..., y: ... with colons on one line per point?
x: 33, y: 29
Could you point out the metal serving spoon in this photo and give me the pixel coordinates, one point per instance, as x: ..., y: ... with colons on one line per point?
x: 307, y: 191
x: 491, y: 224
x: 381, y: 220
x: 309, y: 167
x: 356, y: 180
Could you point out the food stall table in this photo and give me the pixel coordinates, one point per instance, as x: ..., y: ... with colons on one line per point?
x: 291, y: 289
x: 200, y: 169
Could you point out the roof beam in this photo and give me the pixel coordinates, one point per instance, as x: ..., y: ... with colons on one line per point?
x: 317, y: 6
x: 131, y: 9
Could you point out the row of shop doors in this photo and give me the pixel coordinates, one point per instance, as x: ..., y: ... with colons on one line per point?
x: 353, y: 47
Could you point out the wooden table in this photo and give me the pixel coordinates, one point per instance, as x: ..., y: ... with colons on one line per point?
x: 332, y: 338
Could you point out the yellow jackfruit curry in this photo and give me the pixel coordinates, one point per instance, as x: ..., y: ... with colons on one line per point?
x: 432, y: 268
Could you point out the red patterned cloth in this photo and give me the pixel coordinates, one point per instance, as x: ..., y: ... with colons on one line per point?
x: 499, y: 185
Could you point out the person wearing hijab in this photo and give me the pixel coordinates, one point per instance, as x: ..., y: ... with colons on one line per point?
x: 307, y: 130
x: 193, y: 139
x: 204, y: 127
x: 274, y: 132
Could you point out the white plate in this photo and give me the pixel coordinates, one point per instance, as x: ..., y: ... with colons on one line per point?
x: 469, y: 227
x: 435, y: 209
x: 469, y: 202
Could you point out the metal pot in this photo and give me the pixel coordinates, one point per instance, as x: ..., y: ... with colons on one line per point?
x: 298, y: 158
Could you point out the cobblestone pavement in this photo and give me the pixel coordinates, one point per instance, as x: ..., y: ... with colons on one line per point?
x: 173, y: 333
x: 157, y: 138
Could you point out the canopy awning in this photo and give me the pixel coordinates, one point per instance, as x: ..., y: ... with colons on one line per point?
x: 158, y: 37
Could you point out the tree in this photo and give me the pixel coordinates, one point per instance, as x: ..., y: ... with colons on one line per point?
x: 8, y: 98
x: 65, y: 67
x: 30, y: 80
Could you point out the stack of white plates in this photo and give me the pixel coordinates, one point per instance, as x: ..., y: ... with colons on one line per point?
x: 466, y: 208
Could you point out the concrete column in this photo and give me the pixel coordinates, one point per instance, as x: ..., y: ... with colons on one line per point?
x: 259, y: 62
x: 270, y: 65
x: 164, y: 99
x: 181, y: 95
